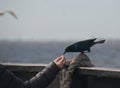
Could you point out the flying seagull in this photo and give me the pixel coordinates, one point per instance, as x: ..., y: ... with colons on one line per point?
x: 9, y: 12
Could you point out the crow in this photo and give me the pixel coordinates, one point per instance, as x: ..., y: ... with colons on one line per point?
x: 82, y: 46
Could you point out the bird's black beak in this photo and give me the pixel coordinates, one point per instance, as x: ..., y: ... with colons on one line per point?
x: 64, y: 53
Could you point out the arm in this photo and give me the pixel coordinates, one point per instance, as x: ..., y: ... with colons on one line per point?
x: 45, y: 77
x: 8, y: 79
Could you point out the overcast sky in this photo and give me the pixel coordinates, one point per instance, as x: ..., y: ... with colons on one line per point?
x: 60, y: 19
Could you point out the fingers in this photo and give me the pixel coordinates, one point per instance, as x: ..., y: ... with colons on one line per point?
x: 60, y: 61
x: 57, y: 59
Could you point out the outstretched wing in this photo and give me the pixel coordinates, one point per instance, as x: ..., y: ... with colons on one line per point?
x: 10, y: 12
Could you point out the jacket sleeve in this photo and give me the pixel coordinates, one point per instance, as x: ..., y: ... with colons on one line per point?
x: 9, y: 80
x: 43, y: 78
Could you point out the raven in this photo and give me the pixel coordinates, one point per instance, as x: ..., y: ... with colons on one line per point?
x: 82, y: 46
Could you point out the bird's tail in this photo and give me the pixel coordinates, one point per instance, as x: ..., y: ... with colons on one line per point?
x: 99, y: 42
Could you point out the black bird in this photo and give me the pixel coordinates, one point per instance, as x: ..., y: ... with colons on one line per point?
x: 82, y: 46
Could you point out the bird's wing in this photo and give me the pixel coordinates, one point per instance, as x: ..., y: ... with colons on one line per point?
x: 1, y: 13
x: 12, y: 13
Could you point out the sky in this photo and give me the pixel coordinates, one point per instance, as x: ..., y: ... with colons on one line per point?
x: 46, y: 20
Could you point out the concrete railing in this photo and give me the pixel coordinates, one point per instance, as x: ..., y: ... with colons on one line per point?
x: 84, y: 77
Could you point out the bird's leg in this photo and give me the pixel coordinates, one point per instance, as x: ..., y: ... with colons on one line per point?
x: 89, y: 50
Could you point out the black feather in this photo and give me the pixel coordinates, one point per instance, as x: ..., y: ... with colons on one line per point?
x: 82, y: 46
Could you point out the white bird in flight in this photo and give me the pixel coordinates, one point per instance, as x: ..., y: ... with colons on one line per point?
x: 10, y: 12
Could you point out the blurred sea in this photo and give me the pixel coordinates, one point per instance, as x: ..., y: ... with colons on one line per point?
x: 103, y: 55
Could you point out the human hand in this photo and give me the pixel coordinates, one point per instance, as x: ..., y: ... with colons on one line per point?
x: 60, y: 61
